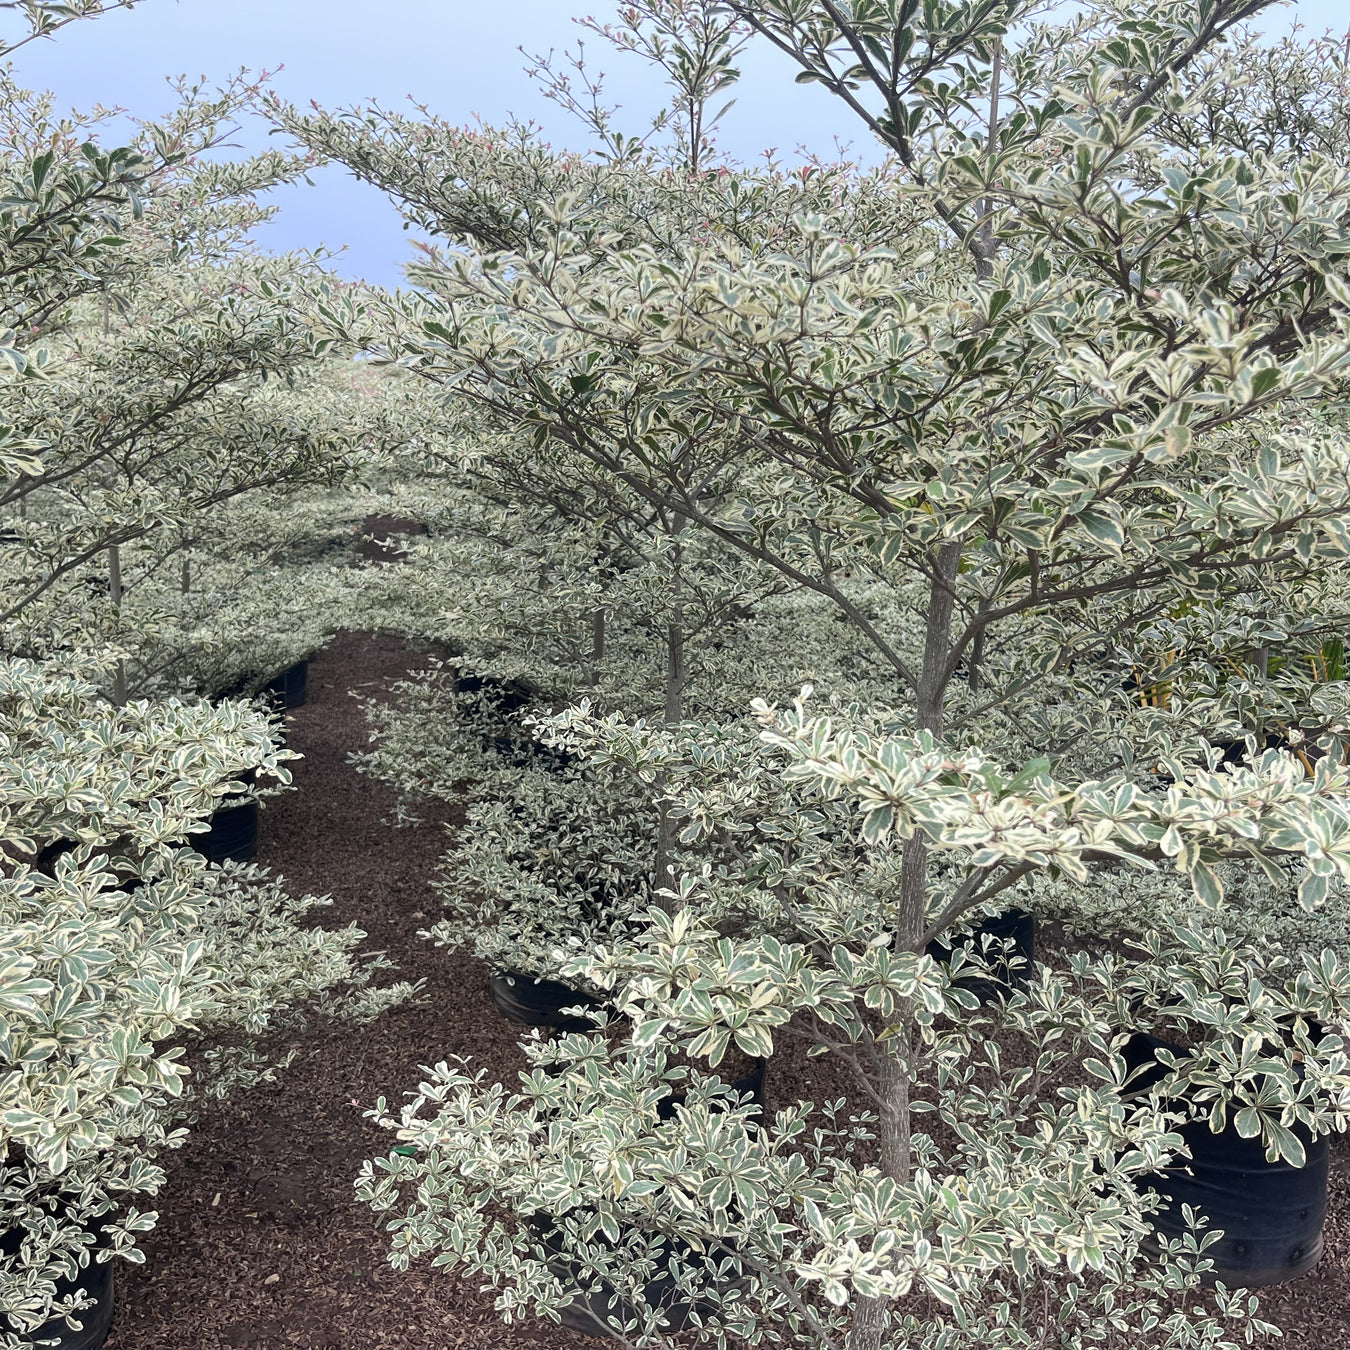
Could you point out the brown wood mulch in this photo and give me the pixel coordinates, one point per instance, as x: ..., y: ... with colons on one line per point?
x: 261, y: 1243
x: 378, y: 539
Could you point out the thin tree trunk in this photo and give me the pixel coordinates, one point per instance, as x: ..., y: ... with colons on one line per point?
x: 675, y: 674
x: 895, y: 1119
x: 119, y: 693
x: 869, y: 1323
x: 937, y: 640
x: 976, y: 657
x: 909, y: 927
x: 667, y: 824
x: 988, y: 248
x: 597, y: 646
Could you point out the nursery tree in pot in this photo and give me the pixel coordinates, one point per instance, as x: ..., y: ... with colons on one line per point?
x: 1068, y: 420
x: 1038, y: 1197
x: 261, y: 585
x: 556, y: 851
x: 122, y: 950
x: 552, y: 583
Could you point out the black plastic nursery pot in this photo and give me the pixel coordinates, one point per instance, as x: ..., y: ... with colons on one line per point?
x: 590, y: 1309
x: 230, y: 691
x: 95, y: 1281
x: 1235, y: 752
x: 1271, y: 1213
x: 539, y: 1003
x: 1015, y: 925
x: 289, y: 688
x: 49, y: 855
x: 506, y: 696
x: 532, y: 754
x: 752, y: 1086
x: 233, y: 836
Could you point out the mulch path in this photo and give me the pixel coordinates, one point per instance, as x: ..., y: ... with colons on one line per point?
x: 377, y: 539
x: 261, y: 1242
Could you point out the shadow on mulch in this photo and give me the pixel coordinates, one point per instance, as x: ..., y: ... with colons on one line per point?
x: 261, y: 1242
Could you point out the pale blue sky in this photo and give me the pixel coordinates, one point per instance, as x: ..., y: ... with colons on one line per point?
x: 458, y: 56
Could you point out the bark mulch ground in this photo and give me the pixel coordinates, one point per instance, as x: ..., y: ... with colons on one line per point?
x: 378, y: 539
x: 1314, y: 1310
x: 261, y: 1243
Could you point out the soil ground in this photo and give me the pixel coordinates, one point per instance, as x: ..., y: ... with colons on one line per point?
x: 261, y: 1244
